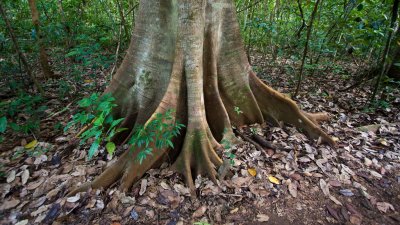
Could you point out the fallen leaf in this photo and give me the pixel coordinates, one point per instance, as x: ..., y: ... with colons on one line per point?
x: 345, y: 213
x: 324, y: 187
x: 9, y: 204
x: 41, y: 209
x: 22, y: 222
x: 293, y: 189
x: 34, y: 185
x: 331, y: 197
x: 333, y: 212
x: 11, y: 176
x: 182, y: 189
x: 234, y: 210
x: 384, y: 206
x: 134, y: 215
x: 25, y: 176
x: 346, y: 192
x: 352, y: 209
x: 200, y: 211
x: 375, y: 174
x: 296, y: 176
x: 100, y: 204
x: 273, y: 180
x: 334, y: 183
x: 75, y: 198
x: 165, y: 185
x: 31, y: 144
x: 143, y: 186
x: 356, y: 220
x: 262, y: 218
x: 252, y: 172
x: 52, y: 193
x: 241, y: 181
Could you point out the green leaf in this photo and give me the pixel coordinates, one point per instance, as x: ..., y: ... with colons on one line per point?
x: 3, y: 124
x: 116, y: 122
x: 99, y: 121
x: 85, y: 102
x: 110, y: 147
x: 93, y: 148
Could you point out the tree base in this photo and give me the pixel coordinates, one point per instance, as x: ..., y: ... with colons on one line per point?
x: 209, y: 85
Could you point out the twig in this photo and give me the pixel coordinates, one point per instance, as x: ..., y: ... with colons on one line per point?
x: 258, y: 147
x: 57, y: 113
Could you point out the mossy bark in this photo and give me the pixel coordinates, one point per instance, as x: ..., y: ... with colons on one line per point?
x: 188, y: 56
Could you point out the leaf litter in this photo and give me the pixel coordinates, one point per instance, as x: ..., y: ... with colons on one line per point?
x: 356, y: 183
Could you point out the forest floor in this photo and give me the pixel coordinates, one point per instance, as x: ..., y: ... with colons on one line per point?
x: 298, y: 182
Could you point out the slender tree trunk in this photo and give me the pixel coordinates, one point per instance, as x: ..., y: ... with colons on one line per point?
x: 309, y: 29
x: 17, y: 49
x: 188, y: 56
x: 395, y: 10
x: 122, y: 19
x: 43, y: 57
x: 303, y: 22
x: 67, y: 28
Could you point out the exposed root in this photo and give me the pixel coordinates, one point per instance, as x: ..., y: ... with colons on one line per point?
x: 279, y: 107
x: 191, y: 59
x: 197, y: 157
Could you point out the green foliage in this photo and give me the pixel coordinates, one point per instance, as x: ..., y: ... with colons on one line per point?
x: 96, y: 114
x: 157, y: 133
x: 22, y: 114
x: 237, y: 110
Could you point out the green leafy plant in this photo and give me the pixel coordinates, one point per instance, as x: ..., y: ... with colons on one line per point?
x: 3, y: 127
x: 96, y: 114
x: 22, y: 114
x: 157, y: 133
x: 237, y: 110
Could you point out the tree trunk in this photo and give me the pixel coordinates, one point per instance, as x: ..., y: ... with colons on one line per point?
x: 19, y: 52
x: 188, y: 56
x: 43, y: 58
x: 309, y: 29
x: 384, y: 62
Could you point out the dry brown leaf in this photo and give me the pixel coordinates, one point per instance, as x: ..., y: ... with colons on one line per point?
x: 324, y: 187
x: 334, y: 199
x: 143, y: 186
x: 11, y: 176
x: 34, y: 185
x: 384, y: 206
x: 9, y: 204
x: 22, y: 222
x: 355, y: 219
x: 293, y: 189
x: 25, y: 176
x: 200, y: 211
x: 74, y: 199
x: 182, y: 190
x: 262, y: 218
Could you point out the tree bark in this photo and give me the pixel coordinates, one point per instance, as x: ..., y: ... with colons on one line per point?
x: 43, y: 57
x: 188, y: 56
x: 309, y: 29
x: 384, y: 62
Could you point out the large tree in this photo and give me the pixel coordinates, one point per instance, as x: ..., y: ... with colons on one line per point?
x: 187, y: 55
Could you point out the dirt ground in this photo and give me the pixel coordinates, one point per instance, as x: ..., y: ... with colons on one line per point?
x: 296, y: 182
